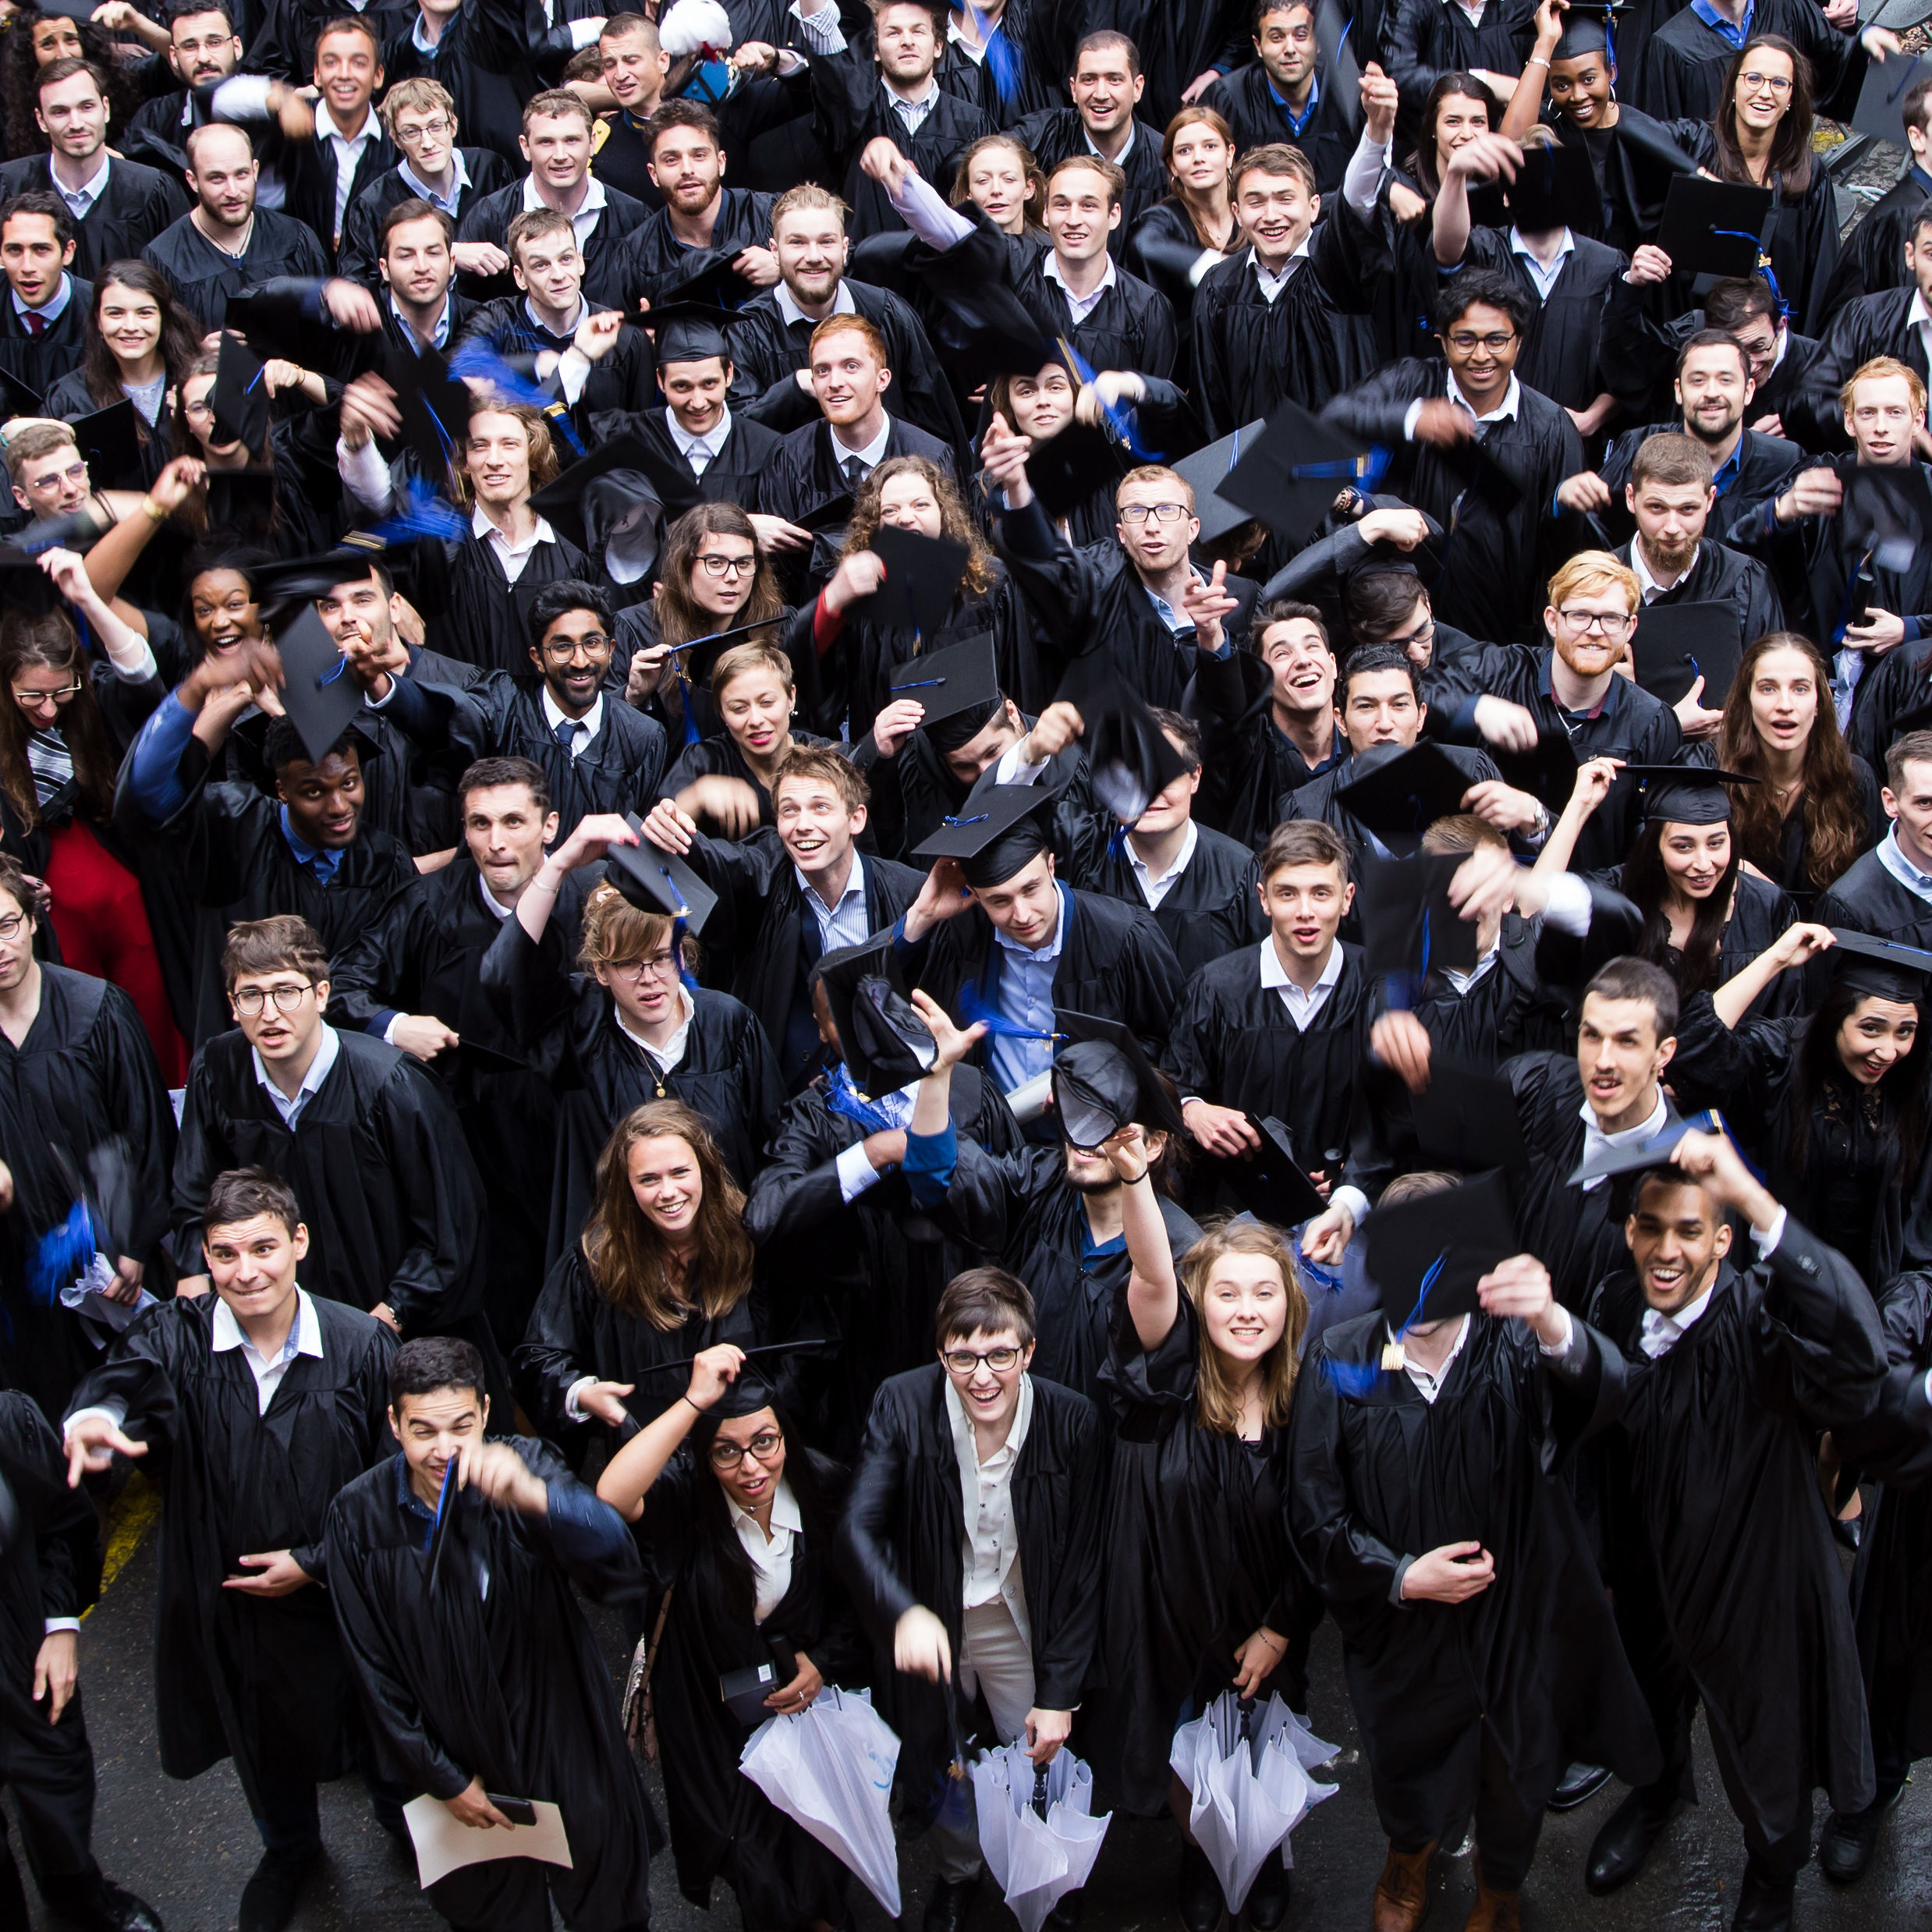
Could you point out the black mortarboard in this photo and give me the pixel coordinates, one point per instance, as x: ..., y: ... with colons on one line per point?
x: 922, y: 578
x: 76, y: 10
x: 1674, y: 644
x: 111, y: 443
x: 318, y: 691
x: 885, y: 1043
x: 1555, y: 187
x: 1880, y: 968
x: 1469, y: 1120
x: 1886, y: 510
x: 1102, y: 1079
x: 979, y: 327
x: 1130, y: 757
x: 1408, y: 924
x: 1880, y: 110
x: 1584, y: 31
x: 714, y: 284
x: 1692, y: 795
x: 610, y: 496
x: 1293, y: 472
x: 700, y: 656
x: 79, y: 531
x: 833, y: 514
x: 1068, y: 468
x: 656, y: 881
x: 17, y: 399
x: 1607, y: 1163
x: 996, y: 835
x: 1398, y: 793
x: 435, y: 410
x: 962, y: 680
x: 689, y: 331
x: 285, y: 588
x: 1204, y: 472
x: 1426, y: 1255
x: 1272, y: 1184
x: 1548, y: 773
x: 239, y: 397
x: 1712, y: 227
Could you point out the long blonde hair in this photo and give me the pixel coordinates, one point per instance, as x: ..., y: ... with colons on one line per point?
x: 1217, y: 1401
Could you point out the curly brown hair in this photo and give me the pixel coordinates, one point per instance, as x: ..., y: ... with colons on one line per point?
x: 1217, y: 1406
x: 954, y: 523
x: 48, y: 642
x: 631, y: 1263
x: 1834, y: 819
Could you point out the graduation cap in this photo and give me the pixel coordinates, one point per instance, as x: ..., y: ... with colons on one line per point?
x: 1880, y: 968
x: 1674, y: 644
x: 1691, y: 794
x: 713, y: 284
x: 1639, y: 135
x: 656, y: 881
x: 610, y: 505
x: 688, y: 332
x: 239, y: 398
x: 922, y: 578
x: 961, y: 681
x: 435, y: 410
x: 1555, y: 187
x: 1408, y: 926
x: 78, y: 11
x: 78, y: 531
x: 1272, y: 1184
x: 1713, y: 227
x: 1426, y: 1255
x: 1290, y: 476
x: 1609, y: 1163
x: 1102, y: 1079
x: 1398, y: 793
x: 822, y: 519
x: 1887, y: 511
x: 1341, y: 71
x: 111, y: 441
x: 997, y: 834
x: 1880, y: 111
x: 1130, y: 760
x: 1585, y: 30
x: 321, y: 698
x: 283, y: 588
x: 1073, y: 465
x: 1547, y: 773
x: 17, y: 399
x: 1206, y: 470
x: 1469, y: 1120
x: 885, y: 1043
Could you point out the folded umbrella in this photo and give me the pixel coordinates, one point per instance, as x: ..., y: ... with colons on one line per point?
x: 1037, y: 1832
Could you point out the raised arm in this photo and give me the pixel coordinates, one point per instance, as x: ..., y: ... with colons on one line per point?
x: 629, y: 1474
x: 1794, y: 946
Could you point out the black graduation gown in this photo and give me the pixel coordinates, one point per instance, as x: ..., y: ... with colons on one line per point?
x: 137, y: 203
x: 1168, y: 222
x: 1037, y: 43
x: 1872, y: 256
x: 236, y: 1676
x: 1175, y: 44
x: 1198, y: 1555
x: 205, y: 278
x: 486, y: 58
x: 1765, y: 465
x: 1760, y: 915
x: 1717, y: 1535
x: 1247, y: 101
x: 307, y: 171
x: 1316, y: 799
x: 566, y: 1025
x: 40, y: 361
x: 806, y: 473
x: 1425, y: 39
x: 84, y: 1080
x: 767, y: 352
x: 722, y: 1826
x: 1233, y: 1045
x: 902, y: 1542
x: 1130, y: 327
x: 377, y: 1159
x: 1888, y: 699
x: 1213, y: 909
x: 284, y: 43
x: 1685, y: 62
x: 606, y: 283
x: 624, y: 377
x: 1559, y: 355
x: 1850, y: 1185
x: 1492, y: 576
x: 1247, y: 764
x: 1868, y: 899
x: 360, y: 255
x: 651, y: 259
x: 915, y: 790
x: 1533, y: 1660
x: 735, y: 475
x: 507, y: 1685
x: 718, y: 756
x: 487, y: 621
x: 621, y: 155
x: 1720, y: 575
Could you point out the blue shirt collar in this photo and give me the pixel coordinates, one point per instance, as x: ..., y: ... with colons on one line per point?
x: 1735, y: 36
x: 1297, y: 123
x: 323, y: 864
x: 1726, y: 473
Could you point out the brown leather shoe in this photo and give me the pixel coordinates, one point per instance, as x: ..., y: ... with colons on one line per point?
x: 1493, y: 1911
x: 1401, y: 1893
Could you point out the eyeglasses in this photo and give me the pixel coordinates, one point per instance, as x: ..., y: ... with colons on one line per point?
x: 407, y: 131
x: 717, y: 564
x: 964, y: 1362
x: 1423, y: 634
x: 596, y: 645
x: 75, y: 473
x: 248, y: 1000
x: 203, y: 408
x: 1161, y: 513
x: 1607, y: 623
x: 652, y: 966
x: 1469, y: 342
x: 1762, y: 84
x: 32, y: 700
x: 10, y: 924
x: 764, y: 1445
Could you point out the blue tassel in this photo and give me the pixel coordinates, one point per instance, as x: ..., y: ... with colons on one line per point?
x: 1122, y: 421
x: 1002, y: 59
x: 421, y: 513
x: 843, y: 1097
x: 62, y: 1253
x: 1763, y: 266
x: 1352, y: 1379
x: 477, y: 358
x: 979, y: 1011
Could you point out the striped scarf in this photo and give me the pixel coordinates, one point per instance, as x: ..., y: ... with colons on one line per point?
x: 52, y: 762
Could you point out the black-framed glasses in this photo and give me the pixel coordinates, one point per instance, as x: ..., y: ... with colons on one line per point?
x: 764, y: 1446
x: 1469, y: 342
x: 966, y: 1361
x: 718, y: 565
x: 1607, y: 623
x: 249, y: 1001
x: 1161, y: 513
x: 10, y: 924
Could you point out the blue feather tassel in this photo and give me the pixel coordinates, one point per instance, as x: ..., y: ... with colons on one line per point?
x: 1002, y: 59
x: 422, y: 513
x: 62, y: 1254
x: 980, y: 1012
x: 476, y: 359
x: 842, y: 1097
x: 1121, y: 421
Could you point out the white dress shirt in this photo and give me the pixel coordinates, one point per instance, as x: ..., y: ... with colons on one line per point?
x: 1662, y: 1332
x: 1430, y: 1386
x: 854, y: 1169
x: 1301, y: 1007
x: 699, y: 451
x: 1544, y: 274
x: 328, y: 1051
x: 986, y: 1493
x: 348, y: 151
x: 1270, y: 283
x: 668, y: 1058
x: 847, y: 923
x: 585, y: 727
x: 841, y: 304
x: 913, y: 113
x: 1650, y: 586
x: 1596, y: 1141
x: 81, y: 199
x: 1892, y: 857
x: 1152, y: 890
x: 770, y: 1556
x: 1079, y: 306
x: 583, y: 223
x: 1919, y: 317
x: 1504, y: 411
x: 511, y: 556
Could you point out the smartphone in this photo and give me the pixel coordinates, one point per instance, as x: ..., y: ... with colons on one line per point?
x: 518, y: 1810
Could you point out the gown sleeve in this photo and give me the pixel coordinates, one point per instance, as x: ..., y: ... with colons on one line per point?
x: 438, y: 1278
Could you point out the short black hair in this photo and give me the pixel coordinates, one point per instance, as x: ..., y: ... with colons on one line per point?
x: 242, y: 1193
x: 1633, y: 979
x: 41, y: 202
x: 415, y: 209
x: 281, y: 747
x: 1369, y: 659
x: 432, y: 1362
x: 1377, y: 601
x: 569, y: 593
x: 1483, y: 288
x: 1712, y: 339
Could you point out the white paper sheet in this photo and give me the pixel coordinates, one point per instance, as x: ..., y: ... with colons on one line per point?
x: 443, y: 1846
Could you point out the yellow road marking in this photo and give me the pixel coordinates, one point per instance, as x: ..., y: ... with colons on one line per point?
x: 135, y: 1512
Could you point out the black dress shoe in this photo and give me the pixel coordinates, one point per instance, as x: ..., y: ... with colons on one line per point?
x: 1764, y: 1904
x: 1845, y: 1848
x: 1066, y: 1915
x: 1267, y: 1897
x: 98, y: 1905
x: 268, y: 1899
x: 1579, y: 1784
x: 951, y: 1900
x: 1203, y: 1903
x: 1619, y: 1849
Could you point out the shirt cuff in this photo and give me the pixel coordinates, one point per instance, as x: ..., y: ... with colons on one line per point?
x: 242, y: 97
x: 1353, y: 1199
x: 1362, y: 179
x: 583, y: 33
x: 1411, y: 417
x: 573, y: 371
x: 1569, y: 1336
x: 856, y: 1171
x: 571, y: 1407
x: 929, y: 1161
x: 1570, y: 905
x: 384, y: 1024
x: 366, y: 475
x: 376, y: 704
x: 63, y: 1623
x: 820, y: 30
x: 143, y: 667
x: 1009, y: 771
x: 112, y: 1411
x: 1767, y: 1243
x: 1402, y: 1573
x: 920, y: 207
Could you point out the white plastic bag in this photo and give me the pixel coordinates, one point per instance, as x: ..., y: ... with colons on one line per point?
x: 1036, y: 1861
x: 830, y: 1768
x: 1247, y: 1774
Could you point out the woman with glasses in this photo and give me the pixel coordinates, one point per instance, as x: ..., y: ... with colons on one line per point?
x: 736, y: 1518
x: 63, y: 732
x: 630, y: 1026
x: 1816, y: 806
x: 1202, y: 1586
x: 662, y: 1270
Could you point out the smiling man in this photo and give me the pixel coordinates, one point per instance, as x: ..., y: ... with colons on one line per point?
x: 1284, y: 94
x: 247, y: 1665
x: 1105, y: 87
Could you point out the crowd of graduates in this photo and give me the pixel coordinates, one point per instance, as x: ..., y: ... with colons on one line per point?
x: 980, y: 852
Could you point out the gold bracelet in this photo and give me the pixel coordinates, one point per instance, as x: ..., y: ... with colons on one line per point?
x: 153, y: 509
